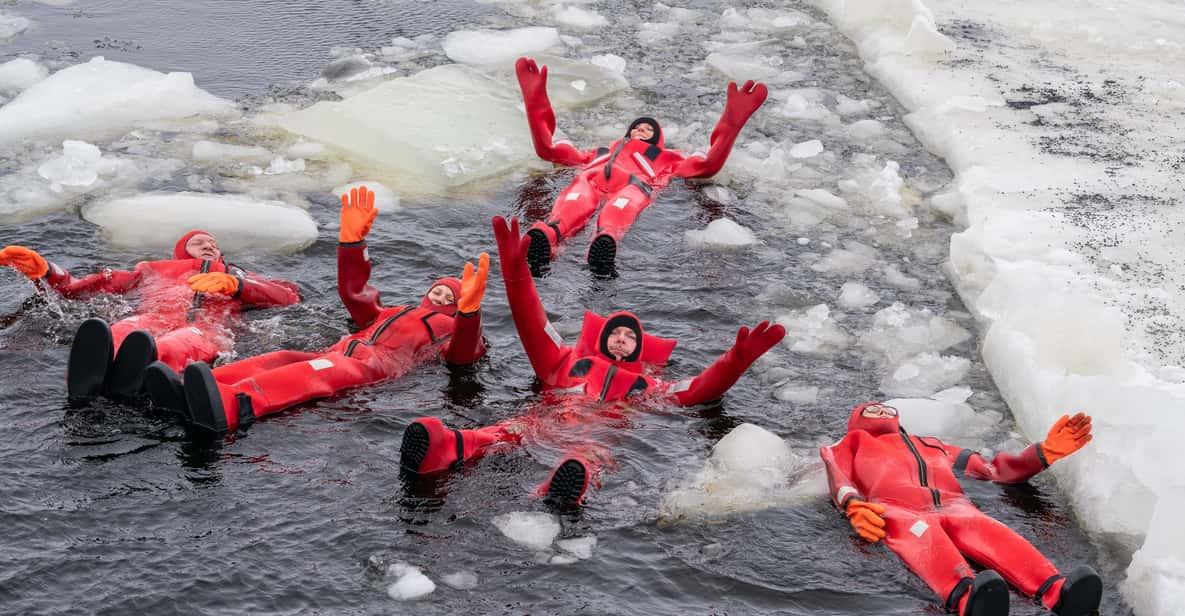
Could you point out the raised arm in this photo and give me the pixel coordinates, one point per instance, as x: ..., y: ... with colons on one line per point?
x: 540, y: 340
x: 1066, y: 436
x: 532, y: 80
x: 741, y: 104
x: 467, y: 344
x: 865, y: 517
x: 353, y: 261
x: 50, y: 276
x: 727, y: 370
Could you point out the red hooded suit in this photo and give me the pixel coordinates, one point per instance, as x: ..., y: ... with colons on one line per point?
x: 393, y: 340
x: 929, y: 522
x: 187, y: 326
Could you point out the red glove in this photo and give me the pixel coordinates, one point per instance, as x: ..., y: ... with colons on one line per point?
x: 512, y: 249
x: 866, y: 519
x: 532, y: 80
x: 25, y: 260
x: 214, y: 282
x: 753, y: 344
x: 1066, y: 436
x: 357, y: 215
x: 743, y: 102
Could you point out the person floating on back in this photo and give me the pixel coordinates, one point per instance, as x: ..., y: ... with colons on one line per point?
x: 446, y: 322
x: 182, y: 316
x: 904, y: 489
x: 623, y: 176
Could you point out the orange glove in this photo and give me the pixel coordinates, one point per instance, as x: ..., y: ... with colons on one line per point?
x: 214, y: 282
x: 25, y: 260
x: 1066, y: 436
x: 473, y: 285
x: 357, y: 215
x: 866, y: 519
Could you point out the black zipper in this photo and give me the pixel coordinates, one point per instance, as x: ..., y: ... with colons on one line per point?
x: 613, y: 157
x: 378, y: 332
x: 608, y: 382
x: 921, y: 469
x: 197, y: 297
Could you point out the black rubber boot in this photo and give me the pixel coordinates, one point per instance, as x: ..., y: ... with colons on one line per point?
x: 125, y: 380
x: 567, y: 485
x: 90, y: 359
x: 204, y: 401
x: 414, y: 448
x: 1081, y: 593
x: 165, y: 390
x: 988, y: 595
x: 538, y: 253
x: 602, y: 256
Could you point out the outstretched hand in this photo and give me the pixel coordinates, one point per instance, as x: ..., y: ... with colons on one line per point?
x: 512, y: 248
x: 532, y: 78
x: 473, y: 285
x: 743, y: 101
x: 25, y: 261
x: 1066, y: 436
x: 358, y: 214
x: 866, y: 519
x: 753, y: 344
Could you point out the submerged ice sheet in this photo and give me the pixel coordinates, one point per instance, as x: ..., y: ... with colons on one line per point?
x: 103, y: 98
x: 241, y: 224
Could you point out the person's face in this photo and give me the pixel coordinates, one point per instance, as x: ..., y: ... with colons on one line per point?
x: 642, y: 132
x: 441, y: 295
x: 622, y: 342
x: 202, y: 246
x: 879, y: 410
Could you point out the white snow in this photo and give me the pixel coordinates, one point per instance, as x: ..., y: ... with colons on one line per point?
x: 576, y: 17
x: 853, y: 295
x: 411, y: 582
x: 1082, y: 308
x: 241, y: 224
x: 529, y: 529
x: 498, y: 46
x: 721, y: 233
x: 19, y: 74
x: 813, y: 332
x: 750, y: 469
x: 101, y: 97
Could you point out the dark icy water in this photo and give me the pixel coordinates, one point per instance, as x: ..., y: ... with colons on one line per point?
x: 112, y: 510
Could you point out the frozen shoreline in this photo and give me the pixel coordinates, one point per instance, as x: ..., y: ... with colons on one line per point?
x: 1056, y: 121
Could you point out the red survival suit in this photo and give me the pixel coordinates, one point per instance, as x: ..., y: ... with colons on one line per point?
x: 576, y: 378
x: 929, y: 523
x: 394, y: 340
x: 187, y: 326
x: 624, y: 175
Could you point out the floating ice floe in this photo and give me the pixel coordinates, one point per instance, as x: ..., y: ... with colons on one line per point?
x: 19, y: 74
x: 924, y: 374
x: 813, y: 332
x: 898, y: 332
x: 103, y: 98
x: 797, y: 393
x: 498, y: 46
x: 411, y: 582
x: 764, y: 20
x: 532, y: 530
x: 241, y: 224
x: 12, y: 25
x: 750, y: 469
x: 854, y: 258
x: 854, y: 295
x: 460, y: 580
x: 576, y: 17
x: 807, y: 149
x: 741, y: 68
x: 650, y: 33
x: 722, y: 233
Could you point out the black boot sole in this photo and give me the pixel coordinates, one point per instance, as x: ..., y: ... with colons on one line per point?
x: 538, y: 253
x: 602, y: 257
x: 125, y: 381
x: 90, y: 359
x: 1081, y: 593
x: 165, y: 390
x: 989, y: 595
x: 414, y: 448
x: 204, y: 400
x: 567, y: 485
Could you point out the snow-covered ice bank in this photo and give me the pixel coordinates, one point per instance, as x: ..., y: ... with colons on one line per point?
x: 1062, y: 122
x: 241, y: 224
x: 103, y: 98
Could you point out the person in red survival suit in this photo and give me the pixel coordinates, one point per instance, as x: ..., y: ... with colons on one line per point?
x: 393, y: 340
x: 624, y: 175
x: 608, y: 365
x: 905, y: 489
x: 185, y: 303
